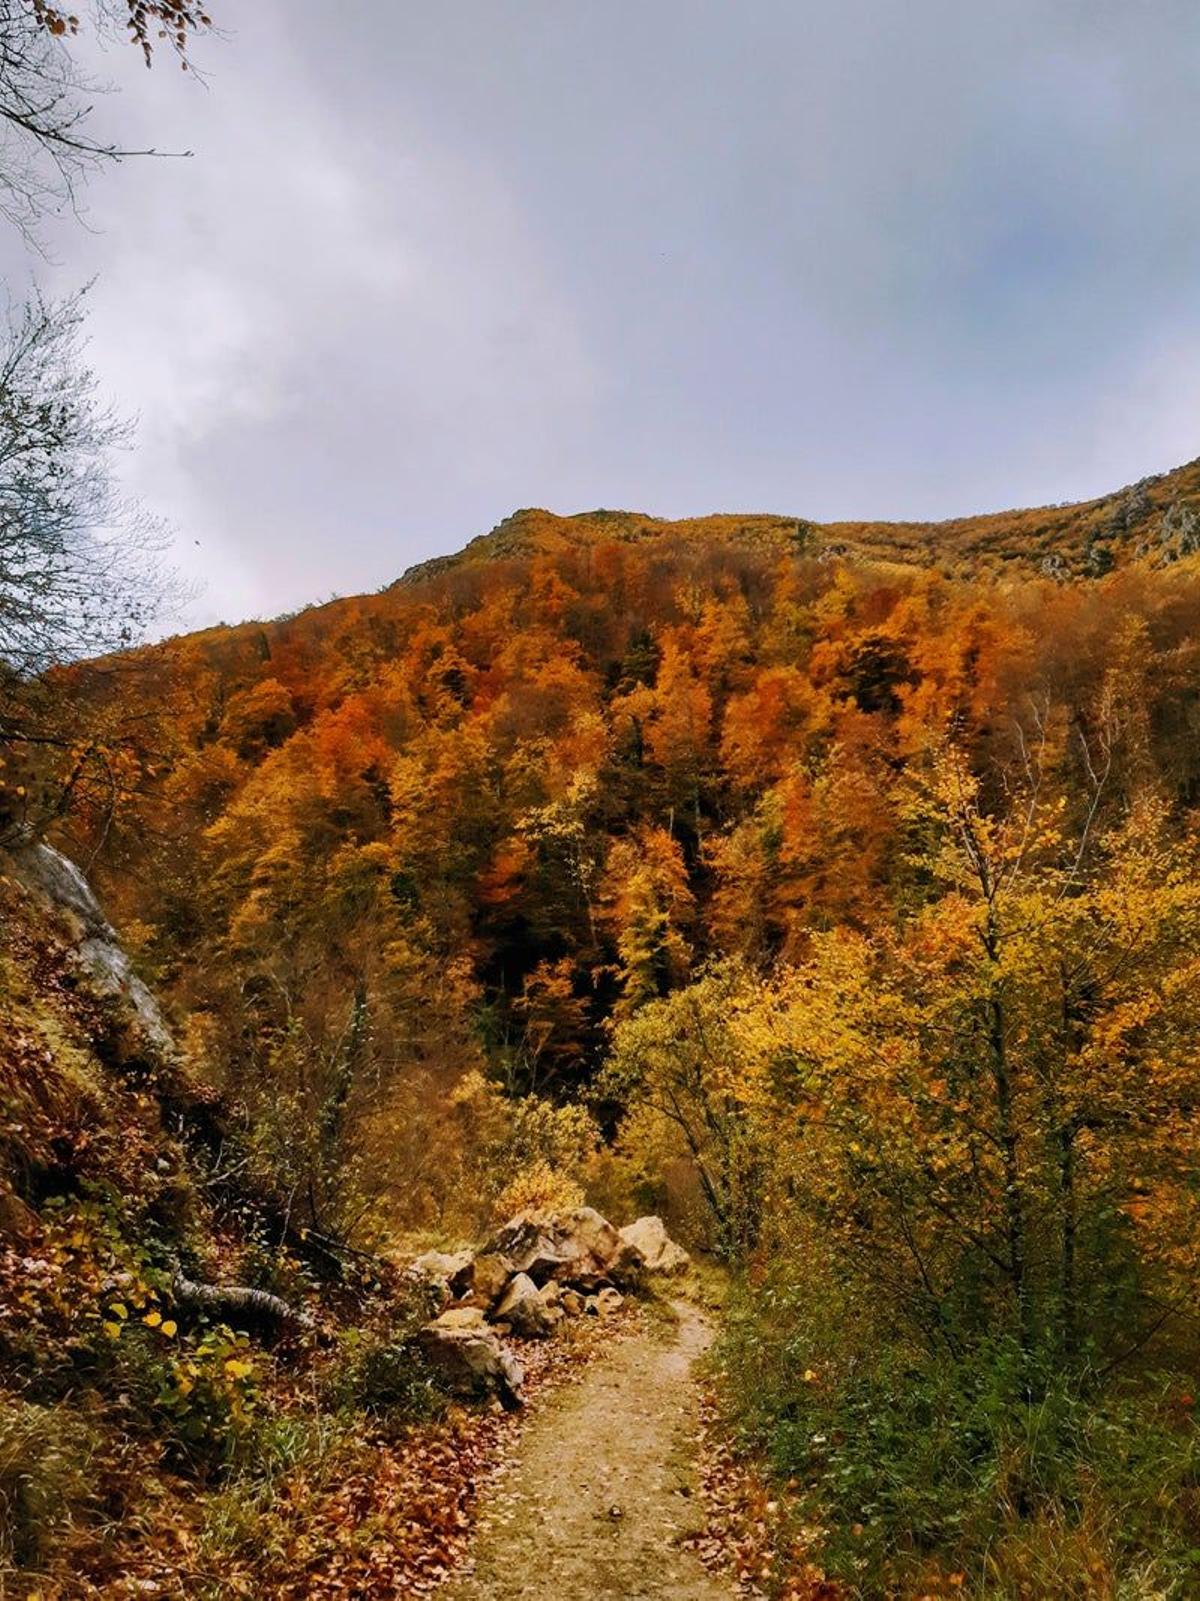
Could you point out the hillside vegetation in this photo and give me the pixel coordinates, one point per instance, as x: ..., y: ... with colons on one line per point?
x: 831, y: 889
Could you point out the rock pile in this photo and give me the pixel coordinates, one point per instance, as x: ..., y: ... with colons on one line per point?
x: 532, y: 1274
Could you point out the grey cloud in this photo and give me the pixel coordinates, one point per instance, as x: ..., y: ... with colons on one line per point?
x: 902, y: 257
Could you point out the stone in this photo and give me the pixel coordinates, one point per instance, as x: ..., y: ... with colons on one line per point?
x: 571, y: 1302
x: 528, y: 1243
x: 461, y: 1317
x: 589, y: 1233
x: 609, y: 1301
x: 659, y: 1252
x: 451, y: 1268
x: 471, y: 1361
x: 551, y: 1292
x: 577, y: 1247
x: 523, y: 1309
x: 489, y: 1278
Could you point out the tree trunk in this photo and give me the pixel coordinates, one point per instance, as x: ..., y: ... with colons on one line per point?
x: 1009, y: 1139
x: 228, y: 1301
x: 1068, y: 1310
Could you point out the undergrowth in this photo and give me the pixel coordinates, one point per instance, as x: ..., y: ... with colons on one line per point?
x: 923, y: 1473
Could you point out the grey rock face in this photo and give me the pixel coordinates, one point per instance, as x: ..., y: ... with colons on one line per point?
x: 103, y: 962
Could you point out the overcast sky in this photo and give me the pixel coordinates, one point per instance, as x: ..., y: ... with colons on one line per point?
x: 903, y: 258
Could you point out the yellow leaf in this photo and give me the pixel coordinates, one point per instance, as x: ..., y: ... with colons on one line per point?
x: 113, y: 1330
x: 152, y: 1319
x: 169, y: 1328
x: 119, y: 1310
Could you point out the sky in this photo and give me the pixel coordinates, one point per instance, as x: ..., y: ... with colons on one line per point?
x: 429, y: 264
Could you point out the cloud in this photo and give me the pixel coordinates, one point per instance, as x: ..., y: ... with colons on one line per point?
x: 900, y: 257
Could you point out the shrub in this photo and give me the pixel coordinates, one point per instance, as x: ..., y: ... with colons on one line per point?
x: 197, y: 1392
x: 388, y: 1376
x: 538, y: 1188
x: 917, y: 1465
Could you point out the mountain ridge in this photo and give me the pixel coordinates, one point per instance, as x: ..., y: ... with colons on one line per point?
x: 1156, y: 518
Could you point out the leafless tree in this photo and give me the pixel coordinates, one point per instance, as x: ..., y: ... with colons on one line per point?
x: 81, y: 567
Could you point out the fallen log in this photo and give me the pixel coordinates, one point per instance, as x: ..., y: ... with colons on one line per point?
x: 227, y: 1301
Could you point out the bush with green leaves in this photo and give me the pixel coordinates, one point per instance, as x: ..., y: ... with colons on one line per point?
x: 387, y: 1375
x: 916, y: 1465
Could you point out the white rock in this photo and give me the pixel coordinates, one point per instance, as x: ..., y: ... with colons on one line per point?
x: 649, y: 1237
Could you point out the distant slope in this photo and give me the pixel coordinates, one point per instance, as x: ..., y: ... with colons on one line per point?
x: 1155, y: 520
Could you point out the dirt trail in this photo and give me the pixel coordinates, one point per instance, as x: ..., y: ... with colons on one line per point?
x: 602, y: 1488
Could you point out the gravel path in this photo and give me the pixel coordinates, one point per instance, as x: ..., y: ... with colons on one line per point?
x: 602, y: 1487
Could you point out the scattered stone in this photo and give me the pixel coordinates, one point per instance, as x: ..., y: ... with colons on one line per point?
x: 659, y: 1252
x: 523, y: 1308
x: 571, y: 1302
x: 609, y: 1301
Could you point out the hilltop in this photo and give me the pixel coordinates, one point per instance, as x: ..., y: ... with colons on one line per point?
x: 1156, y: 520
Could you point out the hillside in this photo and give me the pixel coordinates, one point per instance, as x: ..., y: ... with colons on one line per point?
x: 197, y: 1398
x: 1155, y: 520
x: 834, y: 896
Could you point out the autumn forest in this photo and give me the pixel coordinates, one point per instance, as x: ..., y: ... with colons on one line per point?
x: 643, y: 1057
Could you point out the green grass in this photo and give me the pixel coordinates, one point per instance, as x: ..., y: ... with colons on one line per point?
x: 917, y: 1468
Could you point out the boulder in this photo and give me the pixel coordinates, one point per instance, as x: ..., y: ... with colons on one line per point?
x: 577, y: 1247
x: 659, y: 1252
x: 489, y: 1277
x: 609, y: 1301
x: 528, y: 1242
x: 471, y: 1360
x: 523, y: 1309
x: 589, y: 1233
x: 451, y: 1268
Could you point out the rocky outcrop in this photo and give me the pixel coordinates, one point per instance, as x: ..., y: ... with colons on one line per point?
x: 102, y: 961
x: 658, y: 1251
